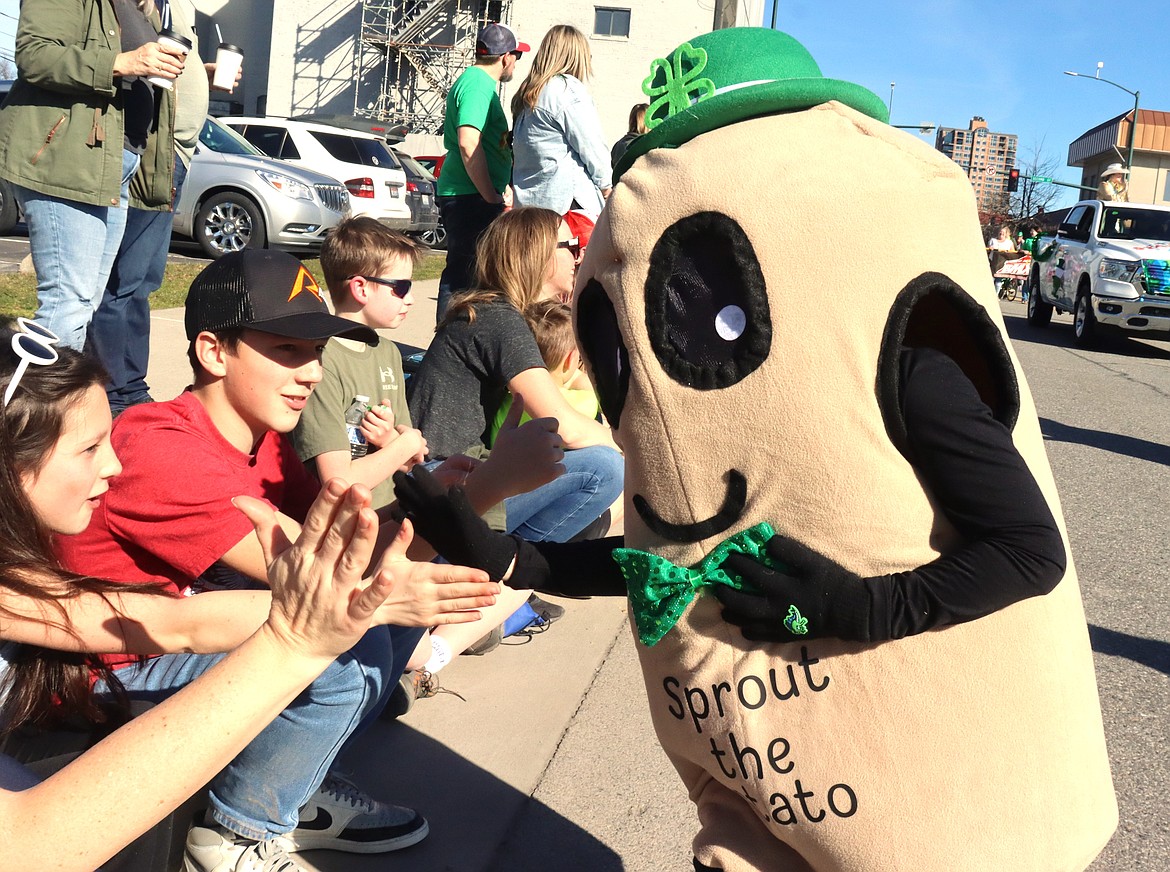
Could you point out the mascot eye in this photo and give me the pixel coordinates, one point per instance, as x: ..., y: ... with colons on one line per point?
x: 707, y: 310
x: 602, y: 346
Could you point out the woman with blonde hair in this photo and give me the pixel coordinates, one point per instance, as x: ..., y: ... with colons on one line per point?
x: 560, y: 157
x: 484, y: 349
x: 637, y: 128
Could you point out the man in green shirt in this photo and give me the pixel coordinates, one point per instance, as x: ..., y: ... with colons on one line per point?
x: 479, y: 156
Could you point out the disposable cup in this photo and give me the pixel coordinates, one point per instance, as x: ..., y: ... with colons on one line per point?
x: 227, y: 63
x: 170, y: 39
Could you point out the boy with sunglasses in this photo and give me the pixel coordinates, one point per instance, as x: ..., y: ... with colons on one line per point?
x: 368, y: 270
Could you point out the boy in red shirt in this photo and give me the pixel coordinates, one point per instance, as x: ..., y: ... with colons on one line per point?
x: 257, y: 326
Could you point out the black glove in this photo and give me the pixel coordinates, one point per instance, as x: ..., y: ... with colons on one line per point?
x: 811, y: 597
x: 446, y: 519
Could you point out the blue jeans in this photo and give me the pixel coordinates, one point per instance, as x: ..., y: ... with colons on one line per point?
x: 120, y: 331
x: 73, y: 246
x: 465, y: 217
x: 259, y: 794
x: 559, y: 510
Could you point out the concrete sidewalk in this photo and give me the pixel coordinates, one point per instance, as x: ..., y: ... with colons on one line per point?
x: 549, y: 761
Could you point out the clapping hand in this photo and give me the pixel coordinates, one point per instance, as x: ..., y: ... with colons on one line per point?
x: 321, y: 605
x: 430, y: 594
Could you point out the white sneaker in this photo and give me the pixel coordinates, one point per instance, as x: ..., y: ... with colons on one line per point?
x: 339, y: 817
x: 214, y: 849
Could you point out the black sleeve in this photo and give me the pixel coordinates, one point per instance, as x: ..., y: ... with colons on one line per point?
x: 1012, y: 548
x: 569, y: 568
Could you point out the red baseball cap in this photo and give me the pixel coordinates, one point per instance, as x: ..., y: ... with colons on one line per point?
x: 499, y: 39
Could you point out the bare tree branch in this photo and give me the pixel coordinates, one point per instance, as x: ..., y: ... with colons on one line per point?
x: 1033, y: 197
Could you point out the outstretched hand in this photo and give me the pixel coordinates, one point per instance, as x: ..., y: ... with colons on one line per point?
x: 430, y: 594
x: 445, y: 518
x: 320, y: 604
x: 810, y: 597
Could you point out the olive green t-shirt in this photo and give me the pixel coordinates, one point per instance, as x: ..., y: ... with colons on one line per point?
x: 370, y: 371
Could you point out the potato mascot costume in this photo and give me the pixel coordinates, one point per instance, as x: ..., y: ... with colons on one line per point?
x: 771, y: 255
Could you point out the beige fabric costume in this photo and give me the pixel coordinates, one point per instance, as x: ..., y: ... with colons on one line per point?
x: 975, y: 747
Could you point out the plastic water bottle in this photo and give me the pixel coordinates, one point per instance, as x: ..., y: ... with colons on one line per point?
x: 353, y: 426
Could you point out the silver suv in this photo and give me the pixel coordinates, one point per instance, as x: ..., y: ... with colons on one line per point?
x: 235, y: 198
x: 366, y: 166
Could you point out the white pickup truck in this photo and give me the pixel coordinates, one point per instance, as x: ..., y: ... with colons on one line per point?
x: 1109, y: 264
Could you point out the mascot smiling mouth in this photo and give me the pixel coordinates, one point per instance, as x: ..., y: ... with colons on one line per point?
x: 731, y: 511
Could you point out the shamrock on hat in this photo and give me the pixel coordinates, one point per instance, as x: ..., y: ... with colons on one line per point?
x: 730, y: 75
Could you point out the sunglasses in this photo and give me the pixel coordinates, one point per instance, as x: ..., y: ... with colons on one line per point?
x: 574, y: 245
x: 32, y: 343
x: 398, y: 287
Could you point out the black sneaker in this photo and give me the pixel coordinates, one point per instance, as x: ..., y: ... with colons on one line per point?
x: 549, y: 611
x: 340, y: 817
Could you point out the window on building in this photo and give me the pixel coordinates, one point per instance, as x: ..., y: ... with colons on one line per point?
x: 608, y: 21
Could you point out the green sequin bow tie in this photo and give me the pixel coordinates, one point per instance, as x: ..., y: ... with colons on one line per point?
x: 660, y: 591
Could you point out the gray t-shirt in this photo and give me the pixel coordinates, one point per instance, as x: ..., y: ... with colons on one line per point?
x: 464, y: 376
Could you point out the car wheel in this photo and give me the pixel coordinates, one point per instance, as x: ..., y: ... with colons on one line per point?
x: 1039, y: 312
x: 229, y: 222
x: 436, y: 238
x: 1085, y: 328
x: 9, y: 213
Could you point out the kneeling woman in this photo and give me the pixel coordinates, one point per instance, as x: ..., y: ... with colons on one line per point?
x: 484, y: 348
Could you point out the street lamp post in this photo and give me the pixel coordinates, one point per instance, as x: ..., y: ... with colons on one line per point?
x: 1136, y: 100
x: 890, y: 107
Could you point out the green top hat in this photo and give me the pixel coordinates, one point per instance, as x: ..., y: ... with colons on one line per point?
x: 730, y: 75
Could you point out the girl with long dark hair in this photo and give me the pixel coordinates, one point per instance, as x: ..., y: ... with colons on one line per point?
x: 55, y: 459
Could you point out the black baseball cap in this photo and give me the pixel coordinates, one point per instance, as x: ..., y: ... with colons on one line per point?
x: 498, y: 39
x: 269, y: 291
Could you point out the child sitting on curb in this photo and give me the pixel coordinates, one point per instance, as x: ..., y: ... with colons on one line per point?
x: 368, y: 269
x: 552, y: 325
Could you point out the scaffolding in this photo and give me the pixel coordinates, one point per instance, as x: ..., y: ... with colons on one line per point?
x: 410, y: 52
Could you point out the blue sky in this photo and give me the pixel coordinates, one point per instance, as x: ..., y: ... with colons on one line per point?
x: 955, y: 59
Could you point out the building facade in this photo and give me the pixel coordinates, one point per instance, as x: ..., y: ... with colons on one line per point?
x: 1149, y: 179
x: 987, y: 158
x: 394, y: 60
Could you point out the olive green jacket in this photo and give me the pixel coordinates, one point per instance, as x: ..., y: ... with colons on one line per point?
x: 61, y: 126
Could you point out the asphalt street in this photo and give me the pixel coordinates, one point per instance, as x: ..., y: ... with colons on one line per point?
x: 1104, y: 414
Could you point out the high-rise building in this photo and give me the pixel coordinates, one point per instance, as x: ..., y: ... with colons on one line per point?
x: 986, y: 157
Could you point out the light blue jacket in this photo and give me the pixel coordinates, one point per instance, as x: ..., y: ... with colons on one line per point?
x: 559, y: 150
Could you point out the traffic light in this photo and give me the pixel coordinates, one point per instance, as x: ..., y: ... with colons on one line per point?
x: 1013, y: 179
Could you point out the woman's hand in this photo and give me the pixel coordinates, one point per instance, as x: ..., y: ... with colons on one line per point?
x: 524, y: 456
x: 320, y: 604
x: 430, y: 594
x: 150, y: 59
